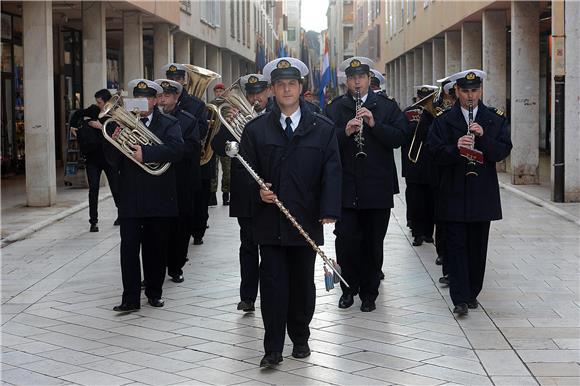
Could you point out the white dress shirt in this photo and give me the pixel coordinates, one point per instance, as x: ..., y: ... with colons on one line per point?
x: 466, y: 114
x: 295, y: 117
x: 149, y: 119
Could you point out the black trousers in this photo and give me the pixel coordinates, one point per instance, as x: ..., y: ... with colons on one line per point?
x: 200, y: 209
x: 421, y: 208
x: 178, y: 244
x: 466, y: 256
x: 249, y: 261
x: 287, y: 294
x: 151, y: 235
x: 359, y: 249
x: 96, y: 164
x: 440, y: 245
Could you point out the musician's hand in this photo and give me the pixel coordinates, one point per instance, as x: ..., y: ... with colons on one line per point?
x: 352, y: 127
x: 73, y: 132
x: 267, y: 196
x: 116, y: 133
x: 367, y: 116
x: 476, y: 129
x: 327, y: 221
x: 137, y: 152
x: 95, y: 125
x: 465, y: 141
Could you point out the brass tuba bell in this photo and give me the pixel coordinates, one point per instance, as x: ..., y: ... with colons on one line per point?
x: 234, y: 111
x: 133, y: 132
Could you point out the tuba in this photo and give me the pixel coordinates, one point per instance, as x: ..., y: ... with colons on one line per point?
x: 133, y: 132
x: 198, y: 79
x: 234, y: 110
x: 413, y: 114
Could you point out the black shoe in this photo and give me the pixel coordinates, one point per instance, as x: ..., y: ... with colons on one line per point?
x: 473, y: 304
x: 177, y: 279
x: 117, y: 222
x: 197, y: 241
x: 246, y: 306
x: 417, y: 241
x: 439, y: 260
x: 94, y: 228
x: 226, y: 198
x: 212, y: 199
x: 271, y: 359
x: 368, y: 306
x: 346, y: 300
x: 301, y: 351
x: 143, y: 284
x: 461, y: 309
x: 444, y: 280
x: 126, y: 307
x: 428, y: 240
x: 381, y: 275
x: 156, y: 302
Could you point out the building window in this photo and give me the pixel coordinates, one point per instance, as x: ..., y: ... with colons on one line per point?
x: 291, y: 34
x: 232, y: 20
x: 210, y: 12
x: 425, y: 3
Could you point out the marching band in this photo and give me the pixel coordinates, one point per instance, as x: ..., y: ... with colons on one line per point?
x: 297, y: 168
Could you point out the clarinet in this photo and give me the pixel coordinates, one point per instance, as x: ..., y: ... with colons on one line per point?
x: 471, y: 163
x: 358, y: 138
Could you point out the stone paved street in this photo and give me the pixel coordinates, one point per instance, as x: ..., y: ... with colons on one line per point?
x: 59, y: 285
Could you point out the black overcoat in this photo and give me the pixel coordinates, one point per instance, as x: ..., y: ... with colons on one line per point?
x: 371, y: 182
x: 464, y: 198
x: 305, y: 173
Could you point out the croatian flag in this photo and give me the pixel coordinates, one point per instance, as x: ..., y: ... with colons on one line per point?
x: 324, y: 72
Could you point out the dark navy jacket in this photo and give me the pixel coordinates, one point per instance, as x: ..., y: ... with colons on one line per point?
x: 141, y: 194
x: 187, y: 170
x: 305, y: 173
x: 424, y: 171
x: 371, y: 182
x: 461, y: 198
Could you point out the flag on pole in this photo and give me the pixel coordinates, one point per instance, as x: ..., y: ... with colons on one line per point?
x: 324, y: 72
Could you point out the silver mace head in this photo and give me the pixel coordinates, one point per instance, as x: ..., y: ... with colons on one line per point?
x: 232, y: 148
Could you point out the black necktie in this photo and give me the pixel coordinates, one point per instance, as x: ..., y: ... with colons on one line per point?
x: 145, y: 120
x: 289, y: 131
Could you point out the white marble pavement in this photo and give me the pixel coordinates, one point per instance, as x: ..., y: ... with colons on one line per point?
x: 58, y: 288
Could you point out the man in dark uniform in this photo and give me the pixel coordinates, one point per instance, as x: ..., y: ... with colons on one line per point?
x: 295, y: 151
x: 91, y: 141
x: 377, y: 80
x: 467, y: 203
x: 444, y: 101
x: 187, y: 174
x: 257, y: 91
x: 309, y: 99
x: 196, y: 107
x: 148, y: 203
x: 368, y: 183
x: 418, y: 170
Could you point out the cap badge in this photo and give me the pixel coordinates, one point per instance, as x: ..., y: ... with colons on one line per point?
x: 252, y: 80
x: 165, y: 84
x: 470, y: 76
x: 142, y: 85
x: 172, y: 68
x: 283, y: 64
x: 355, y: 63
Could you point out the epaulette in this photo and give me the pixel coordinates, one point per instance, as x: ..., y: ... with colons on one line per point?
x: 385, y: 96
x: 324, y: 118
x: 334, y: 99
x: 257, y: 118
x: 497, y: 111
x: 441, y: 112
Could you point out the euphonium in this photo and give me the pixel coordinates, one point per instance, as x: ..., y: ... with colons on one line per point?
x: 235, y: 111
x: 198, y: 79
x: 413, y: 113
x: 133, y: 132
